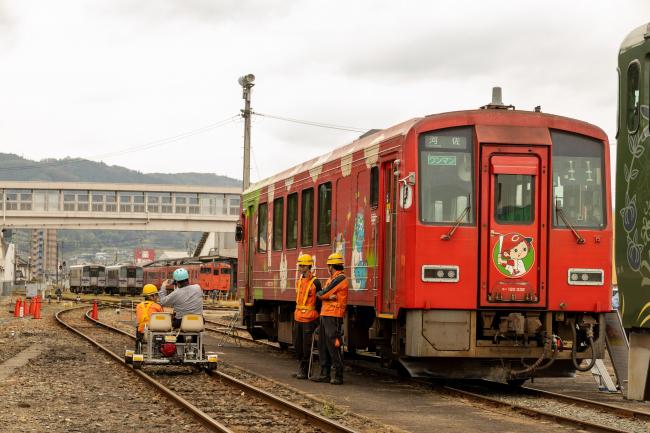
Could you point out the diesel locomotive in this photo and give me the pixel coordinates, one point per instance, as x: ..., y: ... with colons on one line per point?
x: 477, y: 243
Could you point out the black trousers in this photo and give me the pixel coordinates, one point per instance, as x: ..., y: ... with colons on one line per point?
x: 303, y: 332
x: 330, y: 330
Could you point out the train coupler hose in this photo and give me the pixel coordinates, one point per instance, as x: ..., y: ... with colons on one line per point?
x: 550, y: 344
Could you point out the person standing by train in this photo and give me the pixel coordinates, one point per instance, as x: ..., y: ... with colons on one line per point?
x: 306, y: 314
x: 335, y: 298
x: 144, y: 310
x: 185, y: 299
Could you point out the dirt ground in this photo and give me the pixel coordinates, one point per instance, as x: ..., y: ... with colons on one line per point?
x: 66, y: 385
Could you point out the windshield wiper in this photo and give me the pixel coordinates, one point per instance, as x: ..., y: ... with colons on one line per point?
x: 558, y: 209
x: 447, y: 236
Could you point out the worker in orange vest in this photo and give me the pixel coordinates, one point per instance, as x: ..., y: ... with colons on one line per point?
x: 306, y: 314
x: 143, y: 312
x: 330, y: 336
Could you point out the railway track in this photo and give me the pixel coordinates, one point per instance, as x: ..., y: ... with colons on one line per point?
x: 588, y: 415
x: 221, y: 402
x: 584, y: 414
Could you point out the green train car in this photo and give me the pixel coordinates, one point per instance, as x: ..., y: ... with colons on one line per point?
x: 632, y: 245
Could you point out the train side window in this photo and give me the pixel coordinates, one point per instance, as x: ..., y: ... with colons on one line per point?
x: 278, y: 222
x: 632, y: 98
x: 292, y: 221
x: 374, y: 187
x: 307, y: 222
x: 324, y: 213
x: 262, y: 221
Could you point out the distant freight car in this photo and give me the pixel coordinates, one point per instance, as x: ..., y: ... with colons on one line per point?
x: 633, y: 179
x: 477, y: 243
x: 124, y: 279
x: 87, y: 279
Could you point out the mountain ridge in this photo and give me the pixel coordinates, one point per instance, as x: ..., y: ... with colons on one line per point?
x: 17, y: 168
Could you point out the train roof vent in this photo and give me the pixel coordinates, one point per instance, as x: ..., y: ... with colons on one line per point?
x: 497, y: 101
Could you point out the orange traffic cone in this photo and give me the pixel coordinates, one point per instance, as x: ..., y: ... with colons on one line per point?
x: 37, y: 309
x: 27, y: 306
x: 94, y: 314
x: 17, y: 308
x: 32, y: 307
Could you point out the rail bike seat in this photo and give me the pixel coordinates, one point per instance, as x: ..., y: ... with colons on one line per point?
x: 192, y: 323
x: 160, y: 322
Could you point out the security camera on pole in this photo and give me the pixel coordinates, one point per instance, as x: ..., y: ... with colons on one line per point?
x: 246, y: 82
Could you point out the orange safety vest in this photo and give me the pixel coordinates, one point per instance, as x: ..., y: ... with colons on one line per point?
x: 143, y: 312
x: 305, y: 300
x: 335, y: 307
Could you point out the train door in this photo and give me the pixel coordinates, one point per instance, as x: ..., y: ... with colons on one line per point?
x: 513, y: 229
x: 388, y: 235
x: 250, y: 250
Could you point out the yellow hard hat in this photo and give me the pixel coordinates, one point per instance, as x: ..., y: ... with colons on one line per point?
x: 305, y: 260
x: 149, y: 289
x: 335, y: 259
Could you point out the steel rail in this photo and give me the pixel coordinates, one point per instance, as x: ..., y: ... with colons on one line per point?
x: 558, y: 419
x: 318, y: 420
x: 592, y: 404
x: 201, y: 416
x: 578, y: 401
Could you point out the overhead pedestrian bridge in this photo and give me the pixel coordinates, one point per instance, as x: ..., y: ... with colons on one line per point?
x: 118, y: 206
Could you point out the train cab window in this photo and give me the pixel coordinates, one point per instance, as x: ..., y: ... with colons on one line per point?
x: 278, y: 223
x: 262, y: 221
x: 324, y: 213
x: 632, y: 97
x: 514, y: 199
x: 292, y: 221
x: 578, y: 181
x: 307, y: 220
x: 446, y: 176
x: 374, y: 187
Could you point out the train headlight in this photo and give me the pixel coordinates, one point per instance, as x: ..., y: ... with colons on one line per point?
x: 440, y: 273
x: 585, y: 277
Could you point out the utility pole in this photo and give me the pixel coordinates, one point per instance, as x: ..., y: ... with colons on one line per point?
x: 246, y: 82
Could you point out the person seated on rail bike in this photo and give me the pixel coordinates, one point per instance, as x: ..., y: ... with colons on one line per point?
x: 144, y: 310
x: 183, y: 297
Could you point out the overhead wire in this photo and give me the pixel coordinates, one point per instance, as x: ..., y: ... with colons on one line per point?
x: 311, y: 123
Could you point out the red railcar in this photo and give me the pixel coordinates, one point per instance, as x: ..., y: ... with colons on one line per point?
x: 477, y: 243
x: 157, y: 272
x: 215, y: 276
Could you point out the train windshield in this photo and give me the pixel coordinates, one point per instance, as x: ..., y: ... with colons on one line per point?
x: 94, y: 272
x: 446, y: 176
x: 578, y: 178
x: 130, y: 272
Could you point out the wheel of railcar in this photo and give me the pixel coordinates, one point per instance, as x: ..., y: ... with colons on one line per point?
x: 137, y: 365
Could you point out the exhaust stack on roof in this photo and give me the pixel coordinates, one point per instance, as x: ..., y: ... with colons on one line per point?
x: 497, y: 101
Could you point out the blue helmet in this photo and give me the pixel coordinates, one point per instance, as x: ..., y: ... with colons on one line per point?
x: 181, y: 274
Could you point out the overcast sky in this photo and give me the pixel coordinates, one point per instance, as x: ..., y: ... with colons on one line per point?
x: 112, y: 80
